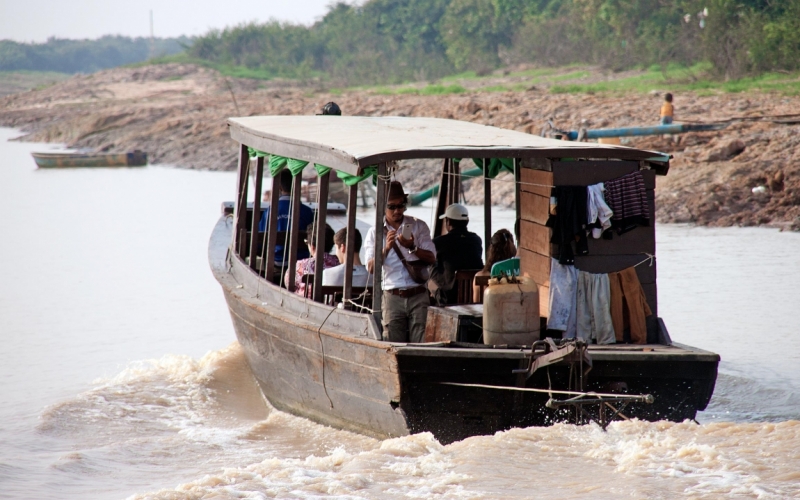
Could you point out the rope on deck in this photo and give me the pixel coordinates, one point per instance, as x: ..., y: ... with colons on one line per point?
x: 600, y: 395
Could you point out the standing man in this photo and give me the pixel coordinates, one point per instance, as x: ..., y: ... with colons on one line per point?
x: 405, y: 300
x: 457, y: 250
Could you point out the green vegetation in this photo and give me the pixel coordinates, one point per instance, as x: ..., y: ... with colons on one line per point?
x: 395, y: 41
x: 84, y: 56
x: 701, y: 45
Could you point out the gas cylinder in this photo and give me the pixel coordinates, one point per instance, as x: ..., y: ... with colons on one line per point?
x: 511, y: 312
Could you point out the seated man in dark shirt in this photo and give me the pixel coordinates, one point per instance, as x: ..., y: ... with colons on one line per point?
x: 457, y: 250
x: 284, y: 183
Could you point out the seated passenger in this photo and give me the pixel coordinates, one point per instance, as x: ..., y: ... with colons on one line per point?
x: 307, y: 266
x: 501, y: 247
x: 334, y: 276
x: 284, y: 214
x: 457, y: 250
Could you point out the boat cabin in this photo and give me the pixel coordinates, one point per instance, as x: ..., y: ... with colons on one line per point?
x: 365, y: 150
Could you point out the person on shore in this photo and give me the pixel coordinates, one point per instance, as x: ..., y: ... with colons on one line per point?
x: 308, y: 266
x: 667, y: 110
x: 284, y: 214
x: 405, y: 298
x: 456, y: 250
x: 334, y: 276
x: 501, y: 247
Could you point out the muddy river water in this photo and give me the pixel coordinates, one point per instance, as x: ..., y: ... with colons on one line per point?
x: 120, y: 376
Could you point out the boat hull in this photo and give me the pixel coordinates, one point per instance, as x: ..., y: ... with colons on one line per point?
x: 72, y: 160
x: 326, y: 364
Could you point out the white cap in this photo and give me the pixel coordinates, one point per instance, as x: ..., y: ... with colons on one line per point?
x: 456, y: 211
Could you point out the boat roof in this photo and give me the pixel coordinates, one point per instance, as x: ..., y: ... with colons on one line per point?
x: 350, y: 143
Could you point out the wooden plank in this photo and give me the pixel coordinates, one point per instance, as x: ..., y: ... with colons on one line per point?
x: 241, y: 199
x: 585, y: 173
x: 538, y: 164
x: 440, y: 327
x: 322, y: 217
x: 487, y: 211
x: 442, y: 198
x: 268, y: 257
x: 259, y: 173
x: 603, y: 264
x: 536, y: 181
x: 544, y: 301
x: 381, y: 192
x: 352, y: 206
x: 517, y: 194
x: 636, y: 241
x: 294, y: 238
x: 534, y: 237
x: 537, y: 266
x: 534, y: 208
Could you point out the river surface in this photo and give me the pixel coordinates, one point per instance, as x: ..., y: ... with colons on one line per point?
x: 120, y: 376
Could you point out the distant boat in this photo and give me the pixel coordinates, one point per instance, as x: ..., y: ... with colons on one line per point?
x: 65, y: 160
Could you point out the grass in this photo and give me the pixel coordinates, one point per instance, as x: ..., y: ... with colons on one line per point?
x: 433, y: 89
x: 12, y: 82
x: 569, y: 79
x: 693, y: 79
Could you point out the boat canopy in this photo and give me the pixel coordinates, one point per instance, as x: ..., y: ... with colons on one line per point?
x: 349, y: 144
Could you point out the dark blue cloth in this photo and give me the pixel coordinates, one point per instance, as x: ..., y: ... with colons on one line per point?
x: 284, y: 209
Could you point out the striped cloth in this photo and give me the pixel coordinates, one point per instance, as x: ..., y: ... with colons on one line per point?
x: 626, y: 196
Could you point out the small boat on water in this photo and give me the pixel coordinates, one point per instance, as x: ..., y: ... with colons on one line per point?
x: 323, y: 355
x: 68, y: 160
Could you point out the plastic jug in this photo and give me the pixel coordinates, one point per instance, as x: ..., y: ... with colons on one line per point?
x: 511, y: 312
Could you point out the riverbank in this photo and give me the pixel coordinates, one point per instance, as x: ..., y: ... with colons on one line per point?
x: 177, y: 112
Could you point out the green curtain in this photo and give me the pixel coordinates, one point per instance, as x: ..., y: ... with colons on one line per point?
x: 495, y: 165
x: 254, y: 153
x: 276, y: 164
x: 352, y: 180
x: 321, y: 169
x: 296, y: 166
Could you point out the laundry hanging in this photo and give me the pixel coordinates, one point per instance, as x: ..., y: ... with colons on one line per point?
x: 626, y: 196
x: 598, y: 213
x: 594, y: 323
x: 563, y: 299
x: 569, y: 223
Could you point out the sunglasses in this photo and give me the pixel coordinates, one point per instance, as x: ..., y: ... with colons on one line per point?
x: 396, y: 207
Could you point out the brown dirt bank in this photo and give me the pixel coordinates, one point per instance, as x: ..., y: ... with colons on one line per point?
x: 177, y: 114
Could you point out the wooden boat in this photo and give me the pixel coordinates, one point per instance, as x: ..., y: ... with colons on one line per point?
x: 325, y: 359
x: 68, y: 160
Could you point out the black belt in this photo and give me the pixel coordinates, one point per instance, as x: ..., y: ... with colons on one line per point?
x: 407, y: 292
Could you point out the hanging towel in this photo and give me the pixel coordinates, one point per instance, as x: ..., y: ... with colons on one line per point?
x: 594, y: 309
x: 626, y: 196
x: 629, y: 306
x: 569, y: 223
x: 563, y: 299
x: 598, y: 214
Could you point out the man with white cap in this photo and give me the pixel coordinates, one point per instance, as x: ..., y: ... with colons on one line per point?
x: 457, y: 250
x: 407, y: 253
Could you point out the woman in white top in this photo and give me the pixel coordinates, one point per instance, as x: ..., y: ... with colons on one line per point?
x: 334, y: 276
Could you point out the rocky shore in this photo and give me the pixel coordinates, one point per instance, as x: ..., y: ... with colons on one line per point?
x: 746, y: 174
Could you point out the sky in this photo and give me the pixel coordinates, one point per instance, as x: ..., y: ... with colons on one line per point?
x: 37, y: 20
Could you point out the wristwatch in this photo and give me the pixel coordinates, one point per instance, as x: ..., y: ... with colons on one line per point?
x: 413, y: 250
